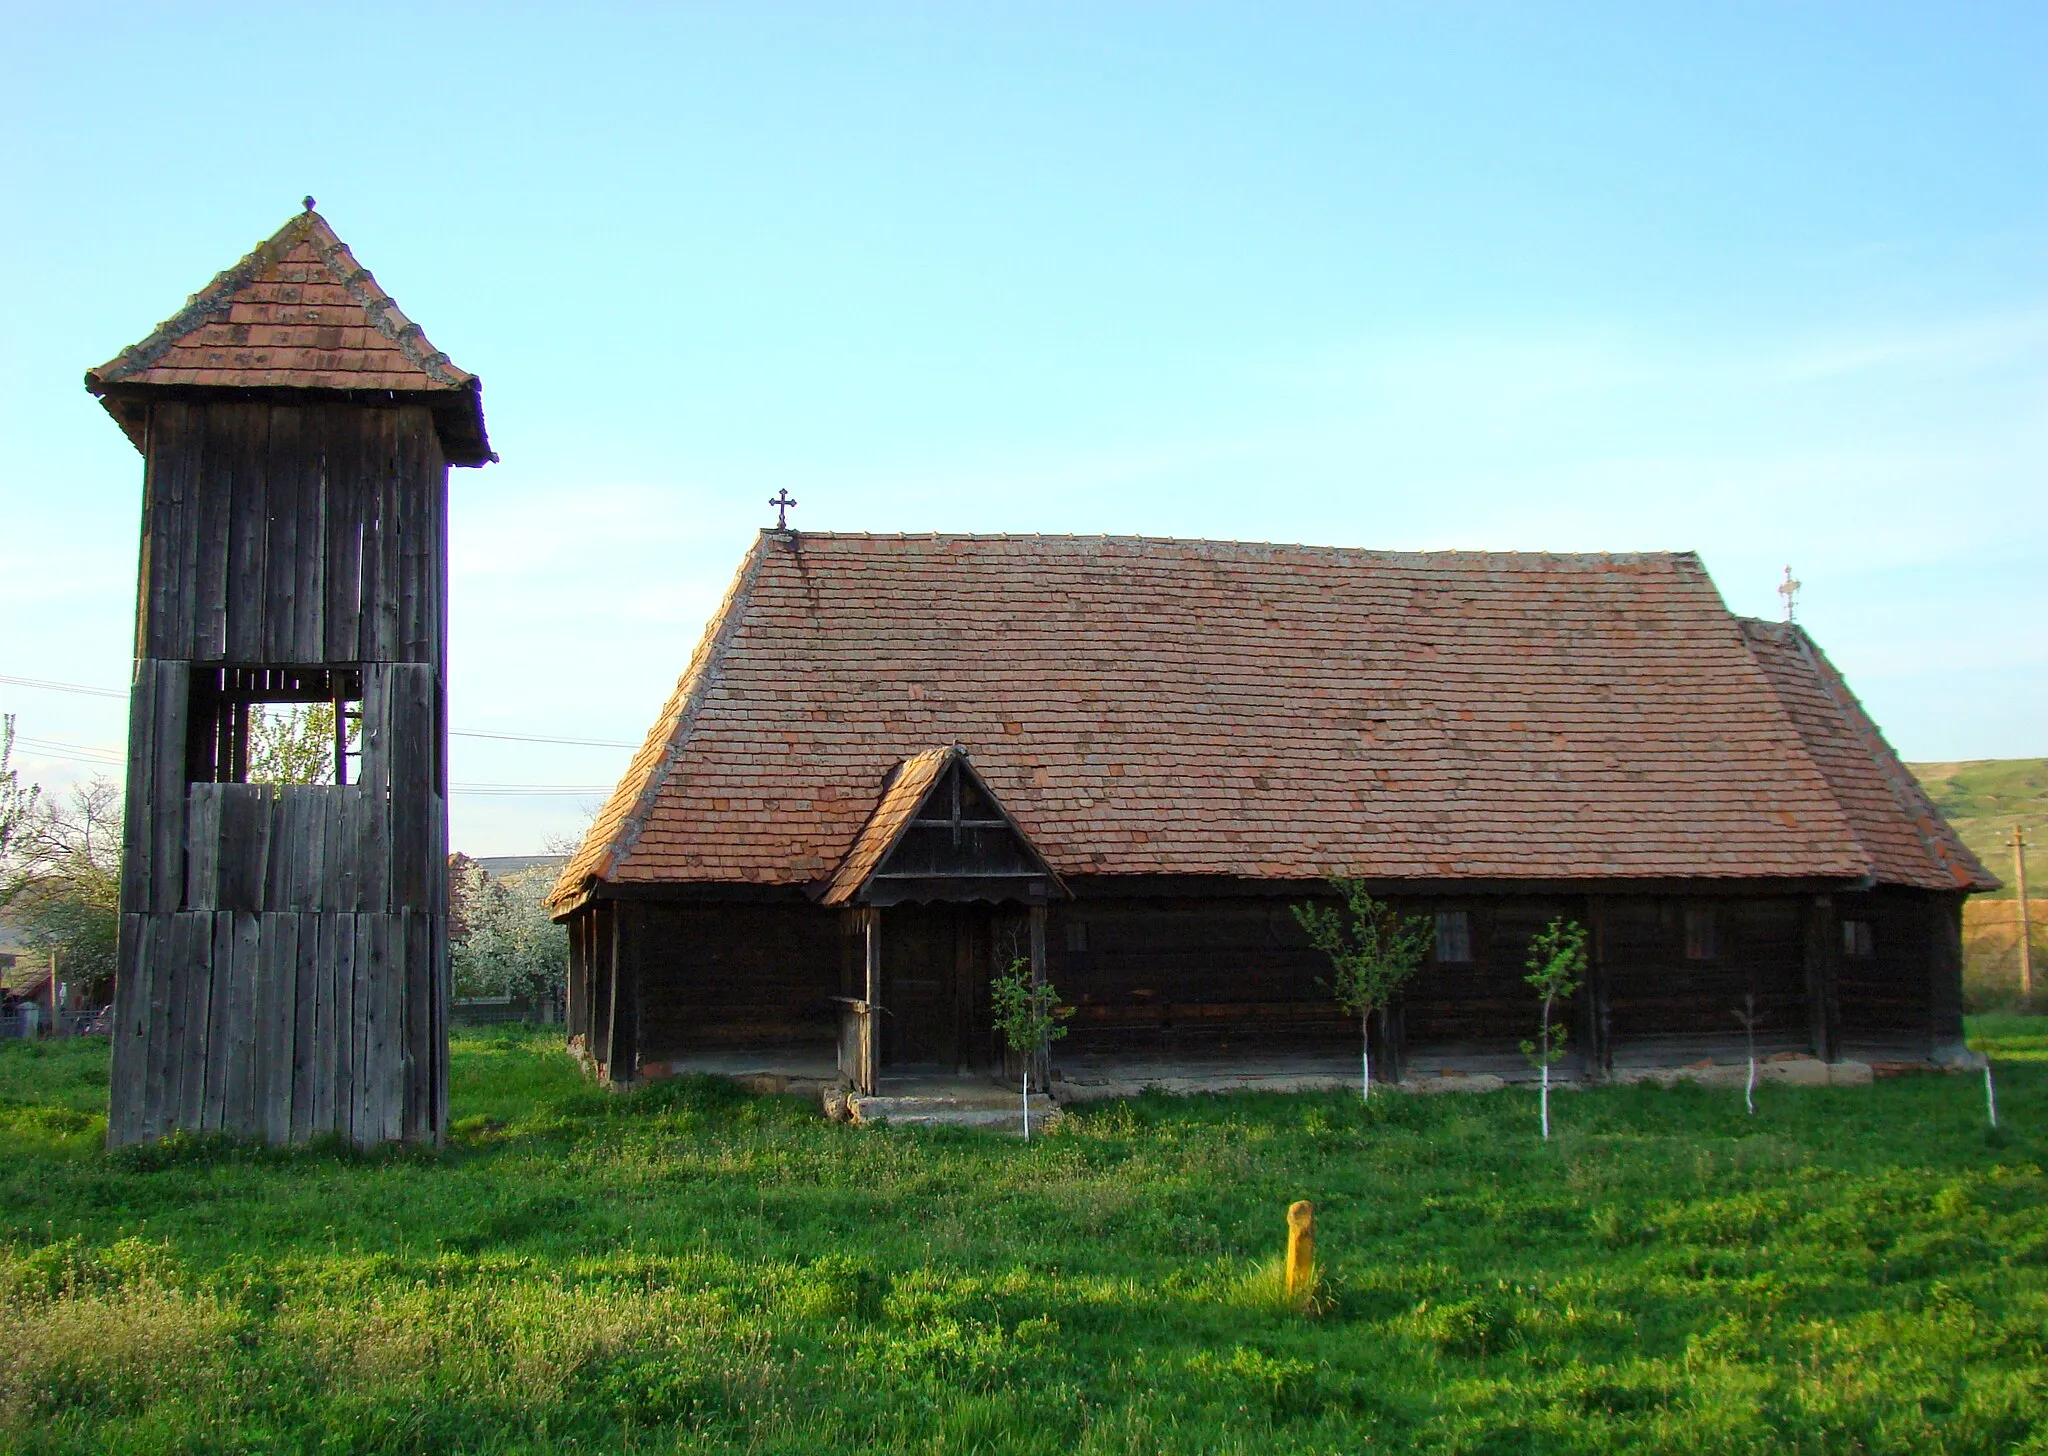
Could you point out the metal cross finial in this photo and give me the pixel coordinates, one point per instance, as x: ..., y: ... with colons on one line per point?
x: 1789, y: 590
x: 782, y: 500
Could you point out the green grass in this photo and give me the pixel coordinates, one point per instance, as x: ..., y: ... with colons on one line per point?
x: 1984, y: 799
x: 688, y: 1268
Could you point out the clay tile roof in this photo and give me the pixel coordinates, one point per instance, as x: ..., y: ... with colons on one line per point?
x: 1904, y: 835
x: 298, y: 313
x: 1150, y: 707
x: 900, y: 801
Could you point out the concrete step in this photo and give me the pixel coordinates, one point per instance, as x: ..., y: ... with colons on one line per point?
x: 995, y: 1112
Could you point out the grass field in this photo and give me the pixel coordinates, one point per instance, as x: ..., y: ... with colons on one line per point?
x: 1984, y: 799
x: 687, y: 1268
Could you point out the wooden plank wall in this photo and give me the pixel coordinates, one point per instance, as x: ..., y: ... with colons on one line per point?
x: 737, y: 976
x: 283, y: 949
x: 1234, y: 973
x: 1666, y: 1007
x: 293, y: 533
x: 1887, y: 1001
x: 1202, y: 975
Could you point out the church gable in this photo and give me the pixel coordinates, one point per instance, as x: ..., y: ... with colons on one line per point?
x: 939, y: 833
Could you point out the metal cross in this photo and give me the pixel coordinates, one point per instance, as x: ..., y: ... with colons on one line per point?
x: 1789, y: 590
x: 782, y: 500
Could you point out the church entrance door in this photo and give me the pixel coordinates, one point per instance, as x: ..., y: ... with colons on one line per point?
x: 935, y: 986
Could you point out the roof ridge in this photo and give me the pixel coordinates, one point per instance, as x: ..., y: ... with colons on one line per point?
x: 1075, y: 537
x: 199, y: 308
x: 607, y: 844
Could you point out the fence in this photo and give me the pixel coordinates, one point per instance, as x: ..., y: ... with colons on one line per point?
x: 1991, y: 952
x: 32, y: 1021
x: 497, y: 1010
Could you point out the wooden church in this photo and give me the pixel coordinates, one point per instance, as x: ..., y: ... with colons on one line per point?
x: 283, y: 948
x: 897, y: 763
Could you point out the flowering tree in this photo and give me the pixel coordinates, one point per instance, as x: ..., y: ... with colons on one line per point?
x: 293, y: 743
x: 506, y: 944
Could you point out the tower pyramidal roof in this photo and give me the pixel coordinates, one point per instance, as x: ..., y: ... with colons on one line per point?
x: 297, y: 314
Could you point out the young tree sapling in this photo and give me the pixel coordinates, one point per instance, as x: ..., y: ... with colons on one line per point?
x: 1029, y: 1016
x: 1557, y: 964
x: 1372, y: 955
x: 1748, y: 1017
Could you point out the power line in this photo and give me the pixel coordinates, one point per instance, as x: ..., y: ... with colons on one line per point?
x: 529, y: 790
x: 61, y: 687
x: 541, y: 738
x: 57, y: 748
x: 64, y: 687
x: 86, y: 753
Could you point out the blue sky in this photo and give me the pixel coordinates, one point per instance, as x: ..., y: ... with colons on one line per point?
x: 1769, y: 282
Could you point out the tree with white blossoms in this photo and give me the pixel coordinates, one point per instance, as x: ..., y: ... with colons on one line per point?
x: 507, y: 945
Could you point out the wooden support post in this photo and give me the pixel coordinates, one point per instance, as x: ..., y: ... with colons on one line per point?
x: 1823, y: 955
x: 1041, y: 1055
x: 1596, y: 1057
x: 1945, y: 975
x: 870, y: 1071
x: 1301, y: 1252
x: 1389, y: 1031
x: 2019, y: 875
x: 622, y: 1050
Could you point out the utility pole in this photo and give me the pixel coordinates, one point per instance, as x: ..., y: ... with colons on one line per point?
x: 2019, y: 874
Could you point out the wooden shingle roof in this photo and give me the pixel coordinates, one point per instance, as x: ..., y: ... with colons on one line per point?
x: 1908, y: 841
x: 298, y: 313
x: 1164, y: 707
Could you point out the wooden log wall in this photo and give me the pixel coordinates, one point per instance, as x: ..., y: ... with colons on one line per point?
x: 1483, y: 1006
x: 283, y: 950
x: 1663, y: 1006
x: 1888, y: 1000
x: 738, y: 975
x: 1173, y: 974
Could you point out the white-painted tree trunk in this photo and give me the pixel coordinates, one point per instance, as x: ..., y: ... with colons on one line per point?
x: 1545, y: 1052
x: 1365, y: 1058
x: 1749, y: 1087
x: 1027, y: 1101
x: 1990, y: 1094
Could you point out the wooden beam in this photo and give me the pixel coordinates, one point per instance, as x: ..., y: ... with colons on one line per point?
x: 1823, y: 963
x: 1596, y: 1055
x: 871, y: 981
x: 1041, y: 1055
x: 1945, y: 972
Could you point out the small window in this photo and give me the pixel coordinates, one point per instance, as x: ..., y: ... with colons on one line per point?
x: 1077, y: 936
x: 1856, y: 941
x: 275, y: 725
x: 1699, y: 934
x: 1453, y: 937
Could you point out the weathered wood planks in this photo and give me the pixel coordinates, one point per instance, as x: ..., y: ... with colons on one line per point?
x: 283, y: 949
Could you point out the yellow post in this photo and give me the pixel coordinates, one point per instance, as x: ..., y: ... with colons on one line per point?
x: 1301, y: 1251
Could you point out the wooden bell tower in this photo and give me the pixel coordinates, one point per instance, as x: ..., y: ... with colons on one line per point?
x: 284, y: 949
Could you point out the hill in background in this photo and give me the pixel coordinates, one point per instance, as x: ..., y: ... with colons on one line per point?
x: 1984, y: 798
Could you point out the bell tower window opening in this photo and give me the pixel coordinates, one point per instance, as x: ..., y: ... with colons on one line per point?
x: 293, y: 725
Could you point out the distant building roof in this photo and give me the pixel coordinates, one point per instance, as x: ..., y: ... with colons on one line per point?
x: 298, y: 313
x: 1163, y: 707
